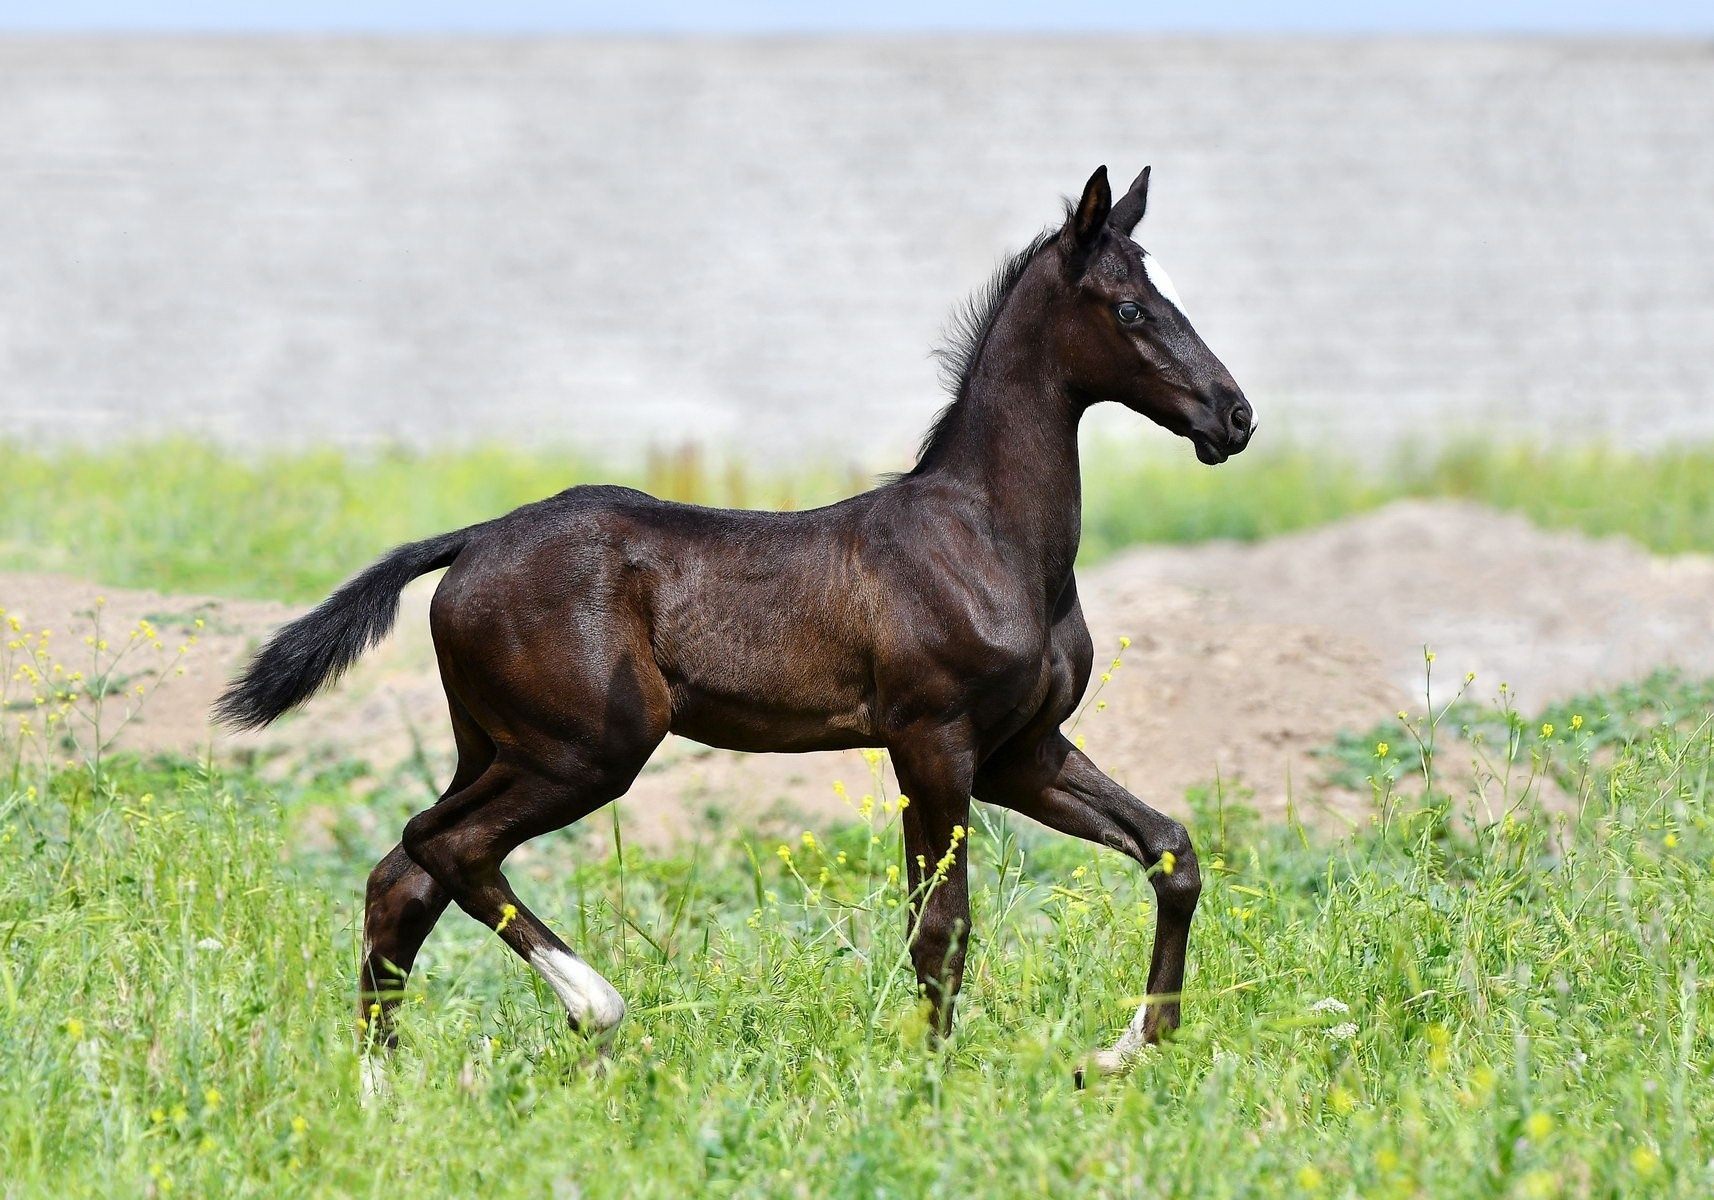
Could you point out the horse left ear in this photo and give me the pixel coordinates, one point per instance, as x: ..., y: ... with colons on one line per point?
x: 1084, y: 223
x: 1132, y: 205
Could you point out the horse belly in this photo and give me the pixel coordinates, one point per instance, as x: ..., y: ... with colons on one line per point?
x: 789, y: 692
x: 735, y: 725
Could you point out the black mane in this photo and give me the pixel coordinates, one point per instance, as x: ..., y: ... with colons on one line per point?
x: 968, y: 328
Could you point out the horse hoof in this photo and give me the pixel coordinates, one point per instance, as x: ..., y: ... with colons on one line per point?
x: 373, y: 1086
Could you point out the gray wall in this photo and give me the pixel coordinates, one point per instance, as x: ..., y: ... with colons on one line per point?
x: 754, y: 243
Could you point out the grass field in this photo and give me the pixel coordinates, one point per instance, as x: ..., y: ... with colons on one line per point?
x: 187, y: 517
x: 1465, y: 996
x: 1428, y: 1007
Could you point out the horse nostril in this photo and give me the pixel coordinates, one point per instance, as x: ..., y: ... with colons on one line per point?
x: 1240, y: 419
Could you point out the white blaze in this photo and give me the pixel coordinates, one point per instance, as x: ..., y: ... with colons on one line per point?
x: 591, y: 1000
x: 1163, y: 282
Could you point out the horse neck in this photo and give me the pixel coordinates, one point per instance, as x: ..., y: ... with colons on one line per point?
x: 1011, y: 438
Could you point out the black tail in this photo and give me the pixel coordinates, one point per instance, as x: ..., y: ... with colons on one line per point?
x: 316, y: 649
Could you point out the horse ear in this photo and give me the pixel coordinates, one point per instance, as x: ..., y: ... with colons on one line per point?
x: 1131, y: 206
x: 1083, y: 225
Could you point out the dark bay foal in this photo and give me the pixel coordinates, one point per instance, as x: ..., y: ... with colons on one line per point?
x: 936, y: 615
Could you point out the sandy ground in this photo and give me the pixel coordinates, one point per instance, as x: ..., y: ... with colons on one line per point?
x: 1244, y: 660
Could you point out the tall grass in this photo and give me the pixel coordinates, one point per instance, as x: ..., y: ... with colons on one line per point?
x: 1663, y: 500
x: 185, y: 516
x: 1424, y: 1009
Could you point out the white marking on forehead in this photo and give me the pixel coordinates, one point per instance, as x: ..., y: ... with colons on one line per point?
x: 1163, y: 282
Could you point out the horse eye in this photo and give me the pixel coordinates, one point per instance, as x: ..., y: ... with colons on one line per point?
x: 1129, y: 311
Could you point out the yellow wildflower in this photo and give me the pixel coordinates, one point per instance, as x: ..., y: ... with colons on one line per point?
x: 508, y: 913
x: 1169, y: 862
x: 1538, y: 1126
x: 1538, y: 1185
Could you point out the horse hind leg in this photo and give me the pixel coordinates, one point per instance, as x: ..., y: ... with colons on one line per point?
x: 462, y: 842
x: 401, y: 907
x: 403, y: 902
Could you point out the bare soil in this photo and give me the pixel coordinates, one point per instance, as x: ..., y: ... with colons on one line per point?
x: 1245, y: 659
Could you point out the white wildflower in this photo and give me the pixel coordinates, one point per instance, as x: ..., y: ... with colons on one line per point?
x: 1329, y: 1004
x: 1342, y: 1032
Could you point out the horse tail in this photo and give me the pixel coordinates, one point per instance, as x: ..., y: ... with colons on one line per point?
x: 317, y: 648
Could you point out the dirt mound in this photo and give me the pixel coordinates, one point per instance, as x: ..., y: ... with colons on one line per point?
x: 1552, y: 613
x: 1244, y: 659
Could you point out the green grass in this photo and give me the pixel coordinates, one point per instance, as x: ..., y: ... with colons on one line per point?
x: 1528, y: 1008
x: 1665, y: 501
x: 179, y: 516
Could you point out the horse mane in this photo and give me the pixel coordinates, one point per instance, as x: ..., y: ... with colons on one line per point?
x: 967, y: 331
x: 973, y: 318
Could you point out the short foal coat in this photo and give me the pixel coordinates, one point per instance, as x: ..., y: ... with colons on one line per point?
x: 936, y: 616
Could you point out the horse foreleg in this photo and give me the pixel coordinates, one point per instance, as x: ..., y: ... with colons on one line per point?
x: 934, y: 772
x: 1056, y: 784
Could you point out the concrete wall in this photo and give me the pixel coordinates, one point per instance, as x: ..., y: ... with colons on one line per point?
x: 754, y: 243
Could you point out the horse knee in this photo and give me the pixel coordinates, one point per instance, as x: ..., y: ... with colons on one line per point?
x: 1177, y: 879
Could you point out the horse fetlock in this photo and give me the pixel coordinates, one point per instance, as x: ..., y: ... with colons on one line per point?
x: 593, y: 1005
